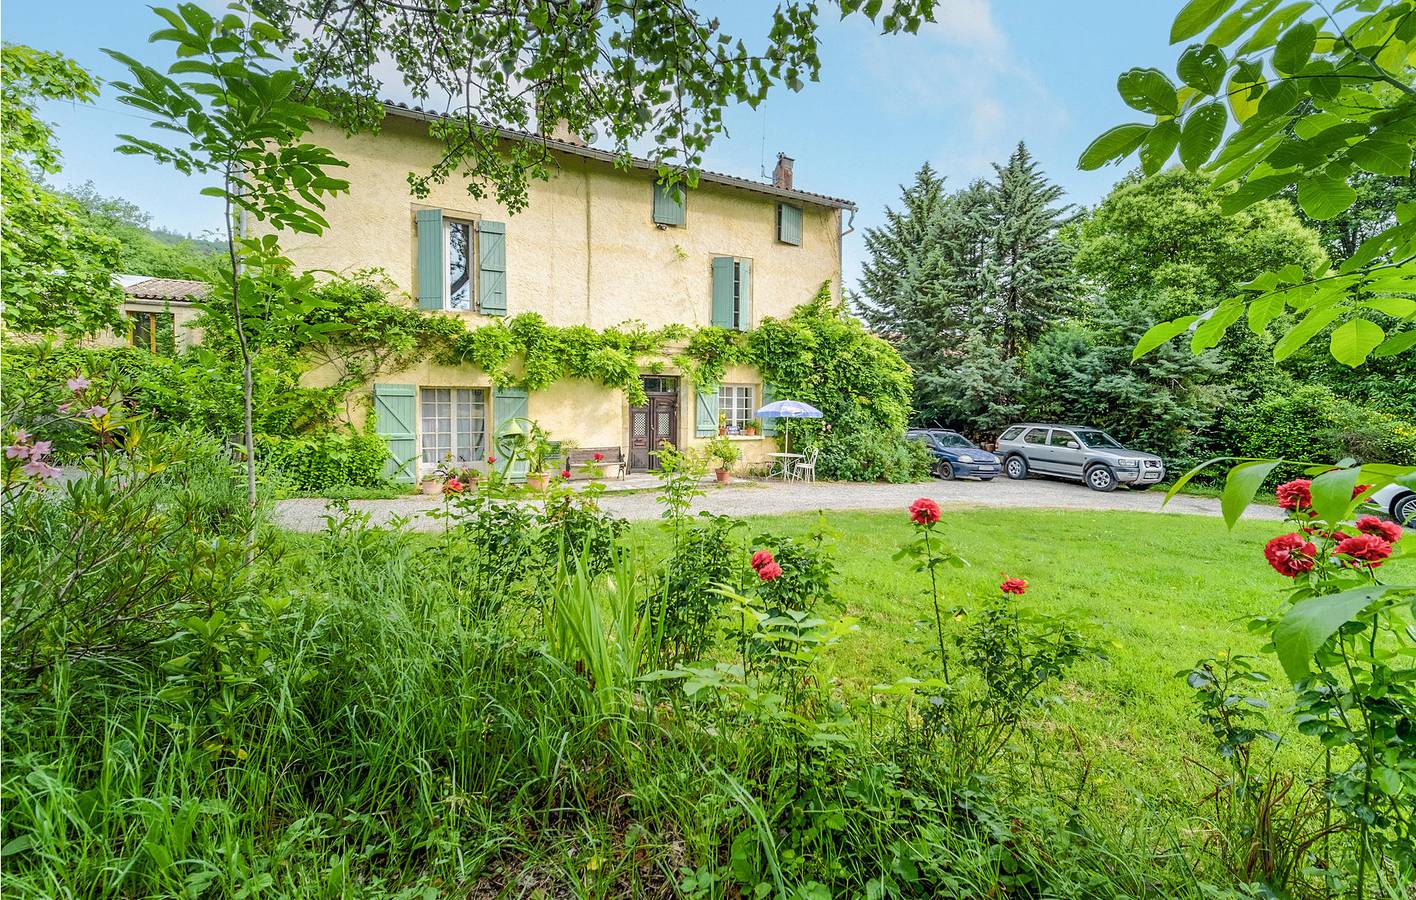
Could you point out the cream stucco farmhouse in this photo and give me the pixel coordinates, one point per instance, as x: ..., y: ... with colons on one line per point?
x: 597, y: 245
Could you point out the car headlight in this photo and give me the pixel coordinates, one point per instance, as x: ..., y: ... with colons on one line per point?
x: 1128, y: 463
x: 964, y: 457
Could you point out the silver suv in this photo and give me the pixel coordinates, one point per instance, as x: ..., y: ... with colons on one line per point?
x: 1085, y: 454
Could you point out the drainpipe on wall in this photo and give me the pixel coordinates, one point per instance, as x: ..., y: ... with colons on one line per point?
x: 841, y: 257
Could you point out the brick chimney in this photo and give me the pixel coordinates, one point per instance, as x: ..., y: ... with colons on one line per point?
x: 782, y: 175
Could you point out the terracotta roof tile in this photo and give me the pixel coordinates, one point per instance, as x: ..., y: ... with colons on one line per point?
x: 167, y: 289
x: 577, y: 149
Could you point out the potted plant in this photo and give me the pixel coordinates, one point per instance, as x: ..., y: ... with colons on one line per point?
x: 722, y: 424
x: 526, y: 439
x: 727, y: 454
x: 431, y: 485
x: 749, y: 428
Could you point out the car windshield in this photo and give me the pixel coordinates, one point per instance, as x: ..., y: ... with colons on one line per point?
x: 950, y: 439
x: 1094, y: 439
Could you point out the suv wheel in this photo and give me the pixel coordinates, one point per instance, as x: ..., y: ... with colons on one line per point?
x: 944, y: 470
x: 1099, y: 478
x: 1016, y: 467
x: 1404, y: 511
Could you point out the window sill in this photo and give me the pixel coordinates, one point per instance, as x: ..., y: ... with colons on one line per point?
x: 746, y: 437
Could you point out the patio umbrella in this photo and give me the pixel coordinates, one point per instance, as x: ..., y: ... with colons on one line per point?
x: 788, y: 409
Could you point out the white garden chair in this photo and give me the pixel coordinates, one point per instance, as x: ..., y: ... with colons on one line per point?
x: 806, y: 469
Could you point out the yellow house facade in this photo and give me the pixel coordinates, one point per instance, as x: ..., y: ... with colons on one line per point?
x: 596, y: 245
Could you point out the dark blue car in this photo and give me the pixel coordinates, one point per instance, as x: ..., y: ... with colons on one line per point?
x: 955, y: 456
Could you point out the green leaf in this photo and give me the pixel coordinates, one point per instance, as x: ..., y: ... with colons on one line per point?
x: 1202, y: 67
x: 1263, y: 311
x: 1214, y: 323
x: 1396, y: 307
x: 1202, y: 133
x: 1240, y: 21
x: 1244, y: 93
x: 1160, y: 333
x: 1316, y: 320
x: 1332, y: 493
x: 1148, y: 90
x: 1185, y: 479
x: 1240, y: 486
x: 1196, y: 16
x: 1397, y: 343
x: 1113, y: 145
x: 1308, y: 624
x: 1325, y: 195
x: 1291, y: 52
x: 1388, y: 781
x: 1354, y: 340
x: 1382, y: 155
x: 1158, y: 146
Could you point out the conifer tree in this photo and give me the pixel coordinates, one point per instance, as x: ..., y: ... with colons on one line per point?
x: 1034, y: 285
x: 905, y: 283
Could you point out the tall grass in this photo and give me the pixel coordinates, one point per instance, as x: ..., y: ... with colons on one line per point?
x: 362, y: 720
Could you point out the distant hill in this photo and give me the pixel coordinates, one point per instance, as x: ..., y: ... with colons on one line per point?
x: 148, y: 249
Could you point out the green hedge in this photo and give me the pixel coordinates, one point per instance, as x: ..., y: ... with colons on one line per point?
x: 1311, y: 423
x: 326, y: 460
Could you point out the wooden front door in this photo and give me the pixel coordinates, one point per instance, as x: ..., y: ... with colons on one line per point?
x: 652, y: 423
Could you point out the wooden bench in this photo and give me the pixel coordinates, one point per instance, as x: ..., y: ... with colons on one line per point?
x: 580, y: 457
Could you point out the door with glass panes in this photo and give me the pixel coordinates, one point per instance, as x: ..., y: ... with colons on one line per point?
x: 452, y: 426
x: 653, y: 423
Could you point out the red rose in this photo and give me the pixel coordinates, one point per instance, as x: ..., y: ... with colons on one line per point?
x: 1360, y: 489
x: 565, y: 473
x: 924, y: 511
x: 1290, y: 554
x: 1367, y: 548
x: 762, y: 558
x: 770, y: 572
x: 452, y: 486
x: 599, y: 457
x: 491, y: 459
x: 1013, y: 586
x: 1295, y: 495
x: 1387, y: 531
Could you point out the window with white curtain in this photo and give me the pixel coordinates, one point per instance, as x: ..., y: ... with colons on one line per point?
x: 735, y: 405
x: 453, y: 425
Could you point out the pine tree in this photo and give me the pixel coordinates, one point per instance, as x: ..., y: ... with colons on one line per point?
x: 1034, y: 285
x: 905, y: 284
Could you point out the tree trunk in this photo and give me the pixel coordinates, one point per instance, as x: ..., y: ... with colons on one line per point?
x: 247, y: 385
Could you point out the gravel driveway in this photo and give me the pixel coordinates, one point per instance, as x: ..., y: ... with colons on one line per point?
x: 771, y: 498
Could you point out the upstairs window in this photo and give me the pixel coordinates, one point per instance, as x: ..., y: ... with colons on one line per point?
x: 457, y: 294
x: 789, y: 224
x: 732, y: 292
x: 669, y: 205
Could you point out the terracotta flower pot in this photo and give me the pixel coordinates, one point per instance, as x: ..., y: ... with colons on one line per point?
x: 537, y: 481
x: 724, y: 475
x: 432, y: 488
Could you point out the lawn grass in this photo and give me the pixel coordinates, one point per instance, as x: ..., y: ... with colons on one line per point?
x: 1161, y: 590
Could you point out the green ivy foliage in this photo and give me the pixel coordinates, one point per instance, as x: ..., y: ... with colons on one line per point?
x: 821, y: 356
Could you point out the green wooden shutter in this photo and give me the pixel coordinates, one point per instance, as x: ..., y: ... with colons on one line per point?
x: 769, y: 426
x: 432, y: 266
x: 723, y: 291
x: 491, y: 256
x: 395, y: 418
x: 789, y: 224
x: 508, y: 404
x: 744, y: 305
x: 668, y: 209
x: 705, y: 414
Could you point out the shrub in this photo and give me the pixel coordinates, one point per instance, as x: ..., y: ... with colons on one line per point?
x: 1309, y: 422
x: 706, y: 557
x: 325, y: 460
x: 853, y: 450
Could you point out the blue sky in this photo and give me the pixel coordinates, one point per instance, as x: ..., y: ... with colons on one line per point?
x: 960, y: 94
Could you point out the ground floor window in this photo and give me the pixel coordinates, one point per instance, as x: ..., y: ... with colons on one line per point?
x: 154, y: 332
x: 453, y: 426
x: 735, y: 406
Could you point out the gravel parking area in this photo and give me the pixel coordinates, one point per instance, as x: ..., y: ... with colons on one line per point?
x: 757, y: 498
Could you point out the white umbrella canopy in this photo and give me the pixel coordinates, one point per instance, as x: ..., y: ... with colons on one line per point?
x: 788, y: 409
